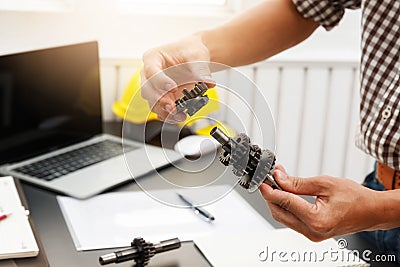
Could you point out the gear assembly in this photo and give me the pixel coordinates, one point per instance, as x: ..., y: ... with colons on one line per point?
x: 250, y: 163
x: 140, y: 251
x: 193, y: 100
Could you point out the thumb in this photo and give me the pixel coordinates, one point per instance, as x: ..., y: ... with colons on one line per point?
x: 301, y: 186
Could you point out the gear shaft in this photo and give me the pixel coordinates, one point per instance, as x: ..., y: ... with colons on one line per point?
x: 251, y: 163
x: 140, y: 251
x: 193, y: 100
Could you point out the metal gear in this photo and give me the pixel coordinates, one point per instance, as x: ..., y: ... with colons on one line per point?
x: 264, y: 171
x: 193, y: 100
x: 253, y: 160
x: 240, y: 151
x: 140, y: 251
x: 145, y: 251
x: 244, y: 181
x: 225, y: 158
x: 252, y: 164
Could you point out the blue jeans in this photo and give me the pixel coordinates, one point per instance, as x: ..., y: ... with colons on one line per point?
x: 386, y: 241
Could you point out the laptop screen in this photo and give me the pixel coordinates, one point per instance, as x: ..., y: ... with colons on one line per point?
x: 49, y: 99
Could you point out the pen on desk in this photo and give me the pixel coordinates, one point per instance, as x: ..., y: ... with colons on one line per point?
x: 4, y: 216
x: 197, y: 210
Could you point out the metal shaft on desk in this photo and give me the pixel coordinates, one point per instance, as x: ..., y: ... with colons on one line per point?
x: 167, y: 245
x: 141, y: 251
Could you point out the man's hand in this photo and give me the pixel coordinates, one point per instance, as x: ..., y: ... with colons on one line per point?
x: 341, y: 206
x: 256, y: 34
x: 164, y: 77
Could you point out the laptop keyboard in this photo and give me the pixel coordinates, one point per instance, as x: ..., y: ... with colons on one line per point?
x: 62, y: 164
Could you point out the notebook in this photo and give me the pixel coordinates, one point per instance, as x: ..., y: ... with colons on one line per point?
x: 17, y: 238
x: 51, y: 125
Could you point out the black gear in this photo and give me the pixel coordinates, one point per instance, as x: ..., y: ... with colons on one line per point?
x: 254, y: 159
x: 140, y: 251
x: 264, y: 168
x: 240, y: 151
x: 145, y: 251
x: 193, y: 100
x: 150, y: 251
x: 252, y: 164
x: 245, y: 159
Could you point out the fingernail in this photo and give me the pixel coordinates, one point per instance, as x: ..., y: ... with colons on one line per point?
x: 179, y: 117
x: 168, y: 86
x: 281, y: 176
x: 206, y: 77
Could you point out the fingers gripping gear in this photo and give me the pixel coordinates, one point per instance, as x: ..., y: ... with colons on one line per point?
x: 252, y: 164
x: 193, y: 100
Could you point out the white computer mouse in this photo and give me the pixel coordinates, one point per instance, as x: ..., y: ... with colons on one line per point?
x: 196, y: 145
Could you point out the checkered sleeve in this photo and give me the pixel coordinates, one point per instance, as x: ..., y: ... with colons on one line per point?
x: 327, y: 13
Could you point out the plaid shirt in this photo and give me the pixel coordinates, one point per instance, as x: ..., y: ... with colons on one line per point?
x: 379, y: 132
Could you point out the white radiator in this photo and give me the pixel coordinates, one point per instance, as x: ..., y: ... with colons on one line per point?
x: 314, y: 105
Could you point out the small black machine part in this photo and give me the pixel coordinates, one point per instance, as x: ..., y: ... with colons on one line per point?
x: 140, y: 251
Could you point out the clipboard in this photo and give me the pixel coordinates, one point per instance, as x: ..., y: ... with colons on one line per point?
x: 38, y: 261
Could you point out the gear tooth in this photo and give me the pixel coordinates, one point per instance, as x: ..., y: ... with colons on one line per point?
x: 244, y: 185
x: 224, y: 158
x: 244, y: 181
x: 240, y: 152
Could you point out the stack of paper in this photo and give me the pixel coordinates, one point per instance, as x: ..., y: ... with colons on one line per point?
x: 114, y: 219
x: 16, y: 236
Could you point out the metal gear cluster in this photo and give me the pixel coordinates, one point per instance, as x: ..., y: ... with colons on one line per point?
x: 140, y: 251
x: 251, y: 163
x: 193, y: 100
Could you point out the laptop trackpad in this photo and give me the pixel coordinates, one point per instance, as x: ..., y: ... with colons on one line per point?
x: 95, y: 178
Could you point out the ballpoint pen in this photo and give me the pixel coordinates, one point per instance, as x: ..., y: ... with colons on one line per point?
x: 4, y: 216
x: 197, y: 210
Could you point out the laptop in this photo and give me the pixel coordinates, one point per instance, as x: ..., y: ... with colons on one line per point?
x: 51, y: 125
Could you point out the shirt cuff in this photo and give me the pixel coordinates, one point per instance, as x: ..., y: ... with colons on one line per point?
x: 327, y: 13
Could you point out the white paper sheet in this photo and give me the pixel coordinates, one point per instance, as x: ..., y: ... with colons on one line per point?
x: 280, y: 247
x: 114, y: 219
